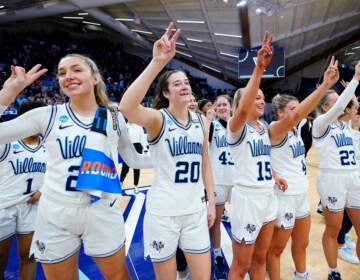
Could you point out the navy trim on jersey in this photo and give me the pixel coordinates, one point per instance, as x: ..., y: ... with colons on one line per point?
x: 282, y: 143
x: 200, y: 120
x: 51, y: 122
x: 75, y: 119
x: 162, y: 130
x: 241, y: 138
x: 186, y: 127
x: 324, y: 134
x: 28, y: 148
x: 6, y: 152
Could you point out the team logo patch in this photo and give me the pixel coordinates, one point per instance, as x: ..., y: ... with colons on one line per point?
x: 332, y: 199
x: 63, y: 118
x: 41, y: 246
x: 289, y: 216
x: 157, y: 245
x: 250, y: 228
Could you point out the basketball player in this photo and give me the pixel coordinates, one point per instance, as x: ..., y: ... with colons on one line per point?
x: 22, y: 168
x: 176, y: 210
x: 288, y: 162
x: 223, y: 170
x: 253, y: 205
x: 338, y: 178
x: 84, y: 124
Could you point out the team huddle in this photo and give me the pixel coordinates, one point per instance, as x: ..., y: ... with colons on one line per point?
x: 200, y: 163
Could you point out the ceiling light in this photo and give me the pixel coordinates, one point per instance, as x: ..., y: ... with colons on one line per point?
x: 229, y: 54
x: 186, y: 54
x: 180, y: 44
x: 83, y: 14
x: 227, y: 35
x: 355, y: 48
x: 349, y: 53
x: 125, y: 19
x: 209, y: 67
x: 194, y: 40
x: 91, y: 23
x: 73, y: 17
x: 141, y: 31
x: 241, y: 3
x: 190, y: 21
x: 2, y: 7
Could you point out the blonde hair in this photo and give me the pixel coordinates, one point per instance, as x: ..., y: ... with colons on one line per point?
x: 237, y: 95
x: 323, y: 101
x: 99, y: 89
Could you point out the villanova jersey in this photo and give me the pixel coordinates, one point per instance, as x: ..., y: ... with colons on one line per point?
x: 176, y: 153
x: 67, y: 135
x: 288, y: 162
x: 22, y: 169
x: 250, y: 150
x: 221, y: 162
x: 336, y: 148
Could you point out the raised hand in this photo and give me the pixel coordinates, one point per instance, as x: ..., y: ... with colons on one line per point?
x: 344, y: 83
x: 164, y: 48
x: 20, y: 79
x: 331, y: 75
x: 266, y: 52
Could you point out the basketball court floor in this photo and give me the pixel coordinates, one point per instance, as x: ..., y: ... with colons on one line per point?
x: 133, y: 207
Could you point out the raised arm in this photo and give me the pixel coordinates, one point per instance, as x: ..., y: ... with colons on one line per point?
x: 264, y: 57
x: 18, y: 80
x: 278, y: 130
x: 130, y: 105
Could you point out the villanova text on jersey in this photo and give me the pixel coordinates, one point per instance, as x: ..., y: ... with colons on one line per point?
x: 182, y: 146
x: 258, y: 148
x: 221, y: 141
x: 72, y: 148
x: 28, y: 165
x: 342, y: 140
x: 297, y: 149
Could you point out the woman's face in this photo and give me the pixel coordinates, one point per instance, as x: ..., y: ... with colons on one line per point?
x: 331, y: 100
x: 206, y: 107
x: 258, y: 107
x: 193, y: 105
x: 223, y: 108
x: 75, y: 77
x: 179, y: 89
x: 290, y: 106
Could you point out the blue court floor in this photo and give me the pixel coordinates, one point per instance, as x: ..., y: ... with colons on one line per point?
x: 139, y: 268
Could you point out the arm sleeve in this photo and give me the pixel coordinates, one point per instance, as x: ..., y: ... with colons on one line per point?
x: 127, y: 151
x: 322, y: 121
x: 30, y: 123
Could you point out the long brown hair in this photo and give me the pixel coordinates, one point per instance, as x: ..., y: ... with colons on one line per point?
x: 160, y: 100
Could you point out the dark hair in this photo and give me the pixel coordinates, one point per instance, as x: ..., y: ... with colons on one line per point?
x: 160, y: 101
x: 99, y: 89
x: 29, y: 105
x: 202, y: 103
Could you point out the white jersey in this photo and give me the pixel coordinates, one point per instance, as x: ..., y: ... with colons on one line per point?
x: 288, y: 162
x: 250, y: 151
x: 65, y: 136
x: 220, y: 157
x: 336, y: 148
x: 22, y: 169
x: 176, y: 153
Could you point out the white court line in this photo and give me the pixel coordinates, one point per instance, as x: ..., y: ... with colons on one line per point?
x: 133, y: 218
x: 226, y: 244
x: 82, y: 276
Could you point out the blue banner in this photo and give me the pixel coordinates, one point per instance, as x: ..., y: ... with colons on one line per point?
x: 98, y: 172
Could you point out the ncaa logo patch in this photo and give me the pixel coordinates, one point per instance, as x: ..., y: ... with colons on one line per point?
x: 63, y: 118
x: 16, y: 146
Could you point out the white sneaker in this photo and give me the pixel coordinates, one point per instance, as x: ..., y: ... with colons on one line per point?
x: 187, y: 277
x: 305, y: 277
x: 345, y: 254
x: 349, y: 243
x: 136, y: 190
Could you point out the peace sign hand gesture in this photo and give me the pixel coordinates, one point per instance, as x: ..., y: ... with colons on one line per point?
x: 266, y: 52
x: 164, y: 48
x: 331, y: 75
